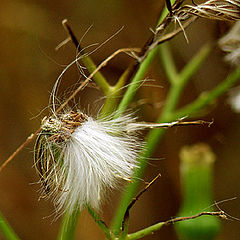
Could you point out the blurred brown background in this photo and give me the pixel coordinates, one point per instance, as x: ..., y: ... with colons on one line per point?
x: 30, y: 30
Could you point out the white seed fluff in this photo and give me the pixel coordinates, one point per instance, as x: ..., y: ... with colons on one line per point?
x: 94, y: 158
x: 230, y: 43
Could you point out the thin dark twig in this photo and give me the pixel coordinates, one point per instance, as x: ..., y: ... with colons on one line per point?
x: 220, y: 214
x: 71, y: 34
x: 24, y: 144
x: 126, y: 215
x: 169, y: 6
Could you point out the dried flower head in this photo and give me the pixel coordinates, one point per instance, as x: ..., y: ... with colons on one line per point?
x: 78, y: 158
x: 226, y: 10
x: 230, y: 43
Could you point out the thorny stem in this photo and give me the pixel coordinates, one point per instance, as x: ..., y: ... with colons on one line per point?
x: 156, y: 227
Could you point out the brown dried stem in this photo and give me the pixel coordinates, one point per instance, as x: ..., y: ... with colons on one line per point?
x: 126, y: 215
x: 19, y: 149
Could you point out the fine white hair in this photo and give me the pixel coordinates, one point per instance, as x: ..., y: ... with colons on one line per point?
x: 93, y: 159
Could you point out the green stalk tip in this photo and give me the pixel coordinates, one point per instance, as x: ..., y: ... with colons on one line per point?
x: 197, y: 178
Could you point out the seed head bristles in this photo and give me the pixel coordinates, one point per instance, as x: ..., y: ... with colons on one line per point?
x: 230, y: 43
x: 78, y: 158
x: 176, y: 18
x: 226, y: 10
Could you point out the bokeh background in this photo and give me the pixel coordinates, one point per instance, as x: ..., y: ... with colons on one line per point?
x: 29, y: 32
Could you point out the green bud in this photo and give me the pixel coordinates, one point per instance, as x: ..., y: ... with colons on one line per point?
x: 197, y: 176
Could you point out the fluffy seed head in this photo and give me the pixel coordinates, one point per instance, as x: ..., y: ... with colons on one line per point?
x: 78, y: 158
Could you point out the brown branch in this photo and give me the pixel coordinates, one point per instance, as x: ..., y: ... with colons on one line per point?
x: 126, y: 215
x: 145, y: 125
x: 25, y: 143
x: 220, y: 214
x: 71, y: 34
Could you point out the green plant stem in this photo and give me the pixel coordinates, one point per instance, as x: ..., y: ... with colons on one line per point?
x: 168, y: 62
x: 100, y: 223
x: 207, y: 98
x: 144, y: 232
x: 68, y: 226
x: 86, y: 60
x: 98, y: 77
x: 113, y: 97
x: 154, y: 136
x: 164, y: 13
x: 6, y: 229
x: 135, y: 83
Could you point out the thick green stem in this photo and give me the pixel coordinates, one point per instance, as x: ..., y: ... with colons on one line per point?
x: 135, y: 83
x: 6, y: 229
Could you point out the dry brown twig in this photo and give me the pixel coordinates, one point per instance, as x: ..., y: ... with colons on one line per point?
x: 134, y: 200
x: 220, y: 214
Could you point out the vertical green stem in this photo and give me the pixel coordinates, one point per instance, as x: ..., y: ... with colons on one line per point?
x: 135, y: 83
x: 168, y: 62
x: 68, y: 226
x: 98, y: 77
